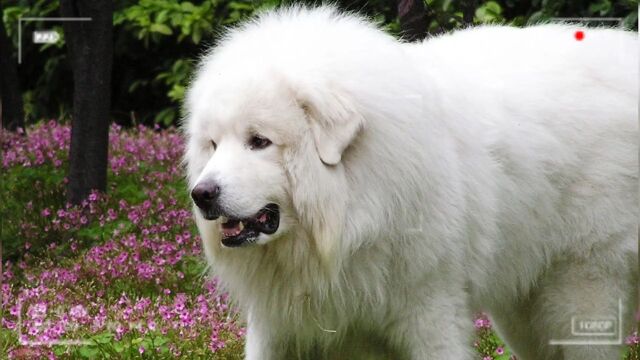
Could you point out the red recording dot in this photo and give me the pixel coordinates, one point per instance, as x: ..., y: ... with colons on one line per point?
x: 579, y: 35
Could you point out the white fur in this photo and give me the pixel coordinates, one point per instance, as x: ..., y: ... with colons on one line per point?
x: 492, y: 169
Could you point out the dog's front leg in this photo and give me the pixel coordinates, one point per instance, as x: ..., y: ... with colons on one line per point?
x: 262, y: 343
x: 434, y: 326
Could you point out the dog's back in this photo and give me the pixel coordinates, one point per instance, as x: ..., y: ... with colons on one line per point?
x: 555, y: 118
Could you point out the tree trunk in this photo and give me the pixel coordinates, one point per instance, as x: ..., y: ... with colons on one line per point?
x: 469, y: 11
x: 413, y: 19
x: 11, y: 108
x: 90, y: 50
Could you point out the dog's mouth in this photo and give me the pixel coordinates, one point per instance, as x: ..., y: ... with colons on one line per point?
x: 237, y: 232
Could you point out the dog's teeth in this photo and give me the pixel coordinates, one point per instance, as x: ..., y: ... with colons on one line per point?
x: 240, y: 227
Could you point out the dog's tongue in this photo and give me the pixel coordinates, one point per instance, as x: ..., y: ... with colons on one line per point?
x: 232, y: 228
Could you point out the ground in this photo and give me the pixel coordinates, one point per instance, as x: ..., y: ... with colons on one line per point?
x: 122, y: 274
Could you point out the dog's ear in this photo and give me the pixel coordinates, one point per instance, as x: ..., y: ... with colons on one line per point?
x: 313, y: 193
x: 333, y: 121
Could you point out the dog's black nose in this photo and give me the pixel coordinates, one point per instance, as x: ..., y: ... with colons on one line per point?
x: 205, y: 195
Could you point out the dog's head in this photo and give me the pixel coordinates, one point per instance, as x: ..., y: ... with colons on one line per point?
x: 274, y: 118
x: 265, y: 156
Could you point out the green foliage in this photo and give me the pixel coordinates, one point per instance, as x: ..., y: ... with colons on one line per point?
x: 159, y: 25
x: 632, y: 352
x: 175, y: 79
x: 625, y: 9
x: 489, y: 346
x: 36, y: 187
x: 489, y: 12
x: 150, y: 20
x: 156, y: 42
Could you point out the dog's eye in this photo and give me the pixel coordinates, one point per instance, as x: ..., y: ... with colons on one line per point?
x: 257, y: 142
x: 214, y: 145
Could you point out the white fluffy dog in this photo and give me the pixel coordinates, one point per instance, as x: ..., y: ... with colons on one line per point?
x: 359, y: 196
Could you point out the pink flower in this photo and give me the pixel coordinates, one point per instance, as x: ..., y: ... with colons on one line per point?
x: 633, y: 339
x: 120, y: 331
x: 78, y: 312
x: 482, y: 322
x: 37, y: 311
x: 153, y: 250
x: 499, y: 350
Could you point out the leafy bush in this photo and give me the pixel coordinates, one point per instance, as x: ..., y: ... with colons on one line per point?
x: 156, y: 42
